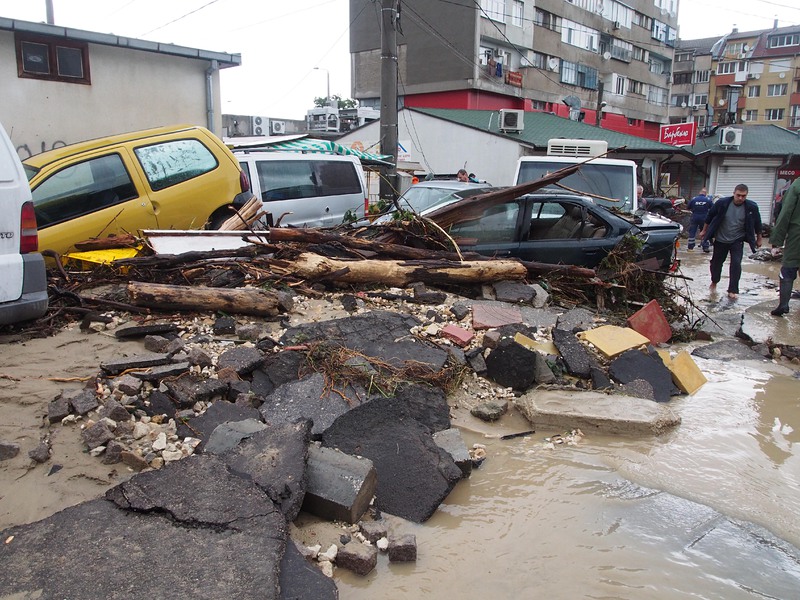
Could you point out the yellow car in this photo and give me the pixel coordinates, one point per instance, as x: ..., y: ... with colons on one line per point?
x: 180, y: 177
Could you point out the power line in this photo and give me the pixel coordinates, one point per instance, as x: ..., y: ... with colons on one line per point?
x: 191, y: 12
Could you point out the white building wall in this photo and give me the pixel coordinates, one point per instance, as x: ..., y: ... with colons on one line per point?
x: 442, y: 147
x: 130, y: 90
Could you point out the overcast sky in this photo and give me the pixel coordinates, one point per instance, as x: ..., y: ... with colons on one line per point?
x: 281, y: 43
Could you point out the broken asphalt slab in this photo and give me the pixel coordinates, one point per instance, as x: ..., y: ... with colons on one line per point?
x: 595, y: 411
x: 191, y: 528
x: 727, y: 350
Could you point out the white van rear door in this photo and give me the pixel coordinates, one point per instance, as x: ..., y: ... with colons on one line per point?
x: 14, y: 191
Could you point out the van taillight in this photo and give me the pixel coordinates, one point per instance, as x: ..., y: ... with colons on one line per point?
x: 244, y: 181
x: 28, y: 234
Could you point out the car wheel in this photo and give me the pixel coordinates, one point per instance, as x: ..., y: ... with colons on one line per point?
x: 219, y: 216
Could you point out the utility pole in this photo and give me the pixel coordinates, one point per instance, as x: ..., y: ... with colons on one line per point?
x: 49, y: 8
x: 600, y: 104
x: 388, y: 183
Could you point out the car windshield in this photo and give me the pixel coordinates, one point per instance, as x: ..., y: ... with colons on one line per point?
x: 423, y: 198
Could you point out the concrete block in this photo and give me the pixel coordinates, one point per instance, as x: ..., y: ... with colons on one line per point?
x: 340, y: 486
x: 685, y: 372
x: 596, y: 411
x: 651, y: 323
x: 450, y: 441
x: 612, y: 341
x: 373, y: 530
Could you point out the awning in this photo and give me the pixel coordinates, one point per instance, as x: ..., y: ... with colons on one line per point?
x: 313, y: 146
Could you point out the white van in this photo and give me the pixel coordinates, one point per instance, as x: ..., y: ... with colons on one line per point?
x: 306, y: 190
x: 23, y: 279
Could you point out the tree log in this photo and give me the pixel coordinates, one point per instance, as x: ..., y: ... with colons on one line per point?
x: 315, y: 267
x: 243, y: 301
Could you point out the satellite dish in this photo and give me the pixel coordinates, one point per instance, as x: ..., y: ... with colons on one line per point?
x: 782, y: 75
x: 606, y: 55
x: 683, y: 104
x: 722, y: 101
x: 552, y: 64
x: 573, y: 102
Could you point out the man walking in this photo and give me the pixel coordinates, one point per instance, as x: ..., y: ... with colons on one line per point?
x: 786, y: 233
x: 731, y: 222
x: 699, y: 206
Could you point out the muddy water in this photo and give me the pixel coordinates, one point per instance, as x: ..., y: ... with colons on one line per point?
x: 630, y: 518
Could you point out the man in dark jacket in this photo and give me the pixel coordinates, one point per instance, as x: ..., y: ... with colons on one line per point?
x: 786, y: 233
x: 731, y: 222
x: 699, y: 205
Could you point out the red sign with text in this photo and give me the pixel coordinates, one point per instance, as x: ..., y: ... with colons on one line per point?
x: 680, y: 134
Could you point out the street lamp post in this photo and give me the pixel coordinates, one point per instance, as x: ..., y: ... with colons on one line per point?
x: 328, y: 76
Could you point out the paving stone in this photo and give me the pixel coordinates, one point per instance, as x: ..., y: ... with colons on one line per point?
x: 242, y: 359
x: 460, y: 310
x: 361, y: 559
x: 156, y: 374
x: 541, y: 297
x: 8, y: 450
x: 97, y: 435
x: 451, y: 441
x: 403, y: 548
x: 459, y: 335
x: 651, y: 323
x: 516, y: 292
x: 156, y: 343
x: 224, y: 325
x: 487, y: 314
x: 83, y: 401
x: 685, y: 372
x: 489, y: 411
x: 57, y: 409
x: 612, y: 341
x: 373, y: 530
x: 340, y: 486
x: 128, y: 385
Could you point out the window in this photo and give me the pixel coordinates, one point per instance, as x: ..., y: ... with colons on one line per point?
x: 620, y: 84
x: 642, y: 20
x: 517, y: 11
x: 635, y: 87
x: 579, y: 35
x: 497, y: 224
x: 725, y: 68
x: 621, y: 50
x: 701, y: 121
x: 293, y: 179
x: 494, y: 9
x: 578, y: 74
x: 754, y: 91
x: 657, y: 95
x: 700, y: 99
x: 547, y: 20
x: 773, y: 114
x: 539, y: 60
x: 750, y: 115
x: 170, y: 163
x: 680, y: 100
x: 776, y: 89
x: 683, y: 57
x: 56, y: 59
x: 81, y: 189
x: 794, y: 119
x: 658, y: 67
x: 681, y: 78
x: 734, y: 49
x: 780, y: 41
x: 702, y: 76
x: 641, y: 54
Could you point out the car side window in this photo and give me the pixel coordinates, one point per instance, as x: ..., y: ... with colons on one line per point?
x: 82, y: 188
x: 168, y: 163
x: 293, y: 179
x: 498, y: 223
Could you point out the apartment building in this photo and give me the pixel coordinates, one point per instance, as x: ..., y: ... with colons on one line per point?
x: 601, y: 61
x: 747, y: 77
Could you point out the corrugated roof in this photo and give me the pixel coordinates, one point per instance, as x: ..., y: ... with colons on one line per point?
x: 701, y: 46
x: 757, y: 140
x: 540, y: 127
x: 313, y: 146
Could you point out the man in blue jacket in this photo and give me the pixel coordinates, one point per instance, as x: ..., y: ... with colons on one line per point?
x: 731, y: 222
x: 699, y: 206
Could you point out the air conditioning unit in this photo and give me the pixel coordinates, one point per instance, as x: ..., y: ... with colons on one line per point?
x: 277, y: 127
x: 695, y: 107
x: 730, y: 137
x: 567, y: 147
x: 751, y: 76
x: 617, y: 25
x: 512, y: 120
x: 258, y: 125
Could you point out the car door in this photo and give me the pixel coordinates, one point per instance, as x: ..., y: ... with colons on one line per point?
x: 494, y: 233
x: 565, y: 232
x: 91, y: 197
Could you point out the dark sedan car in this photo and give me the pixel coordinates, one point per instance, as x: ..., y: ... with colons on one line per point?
x: 561, y: 229
x: 659, y: 206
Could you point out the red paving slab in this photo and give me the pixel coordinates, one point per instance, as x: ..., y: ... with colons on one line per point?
x: 651, y: 323
x: 462, y: 337
x: 489, y: 315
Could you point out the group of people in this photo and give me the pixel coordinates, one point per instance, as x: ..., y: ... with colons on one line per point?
x: 729, y: 222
